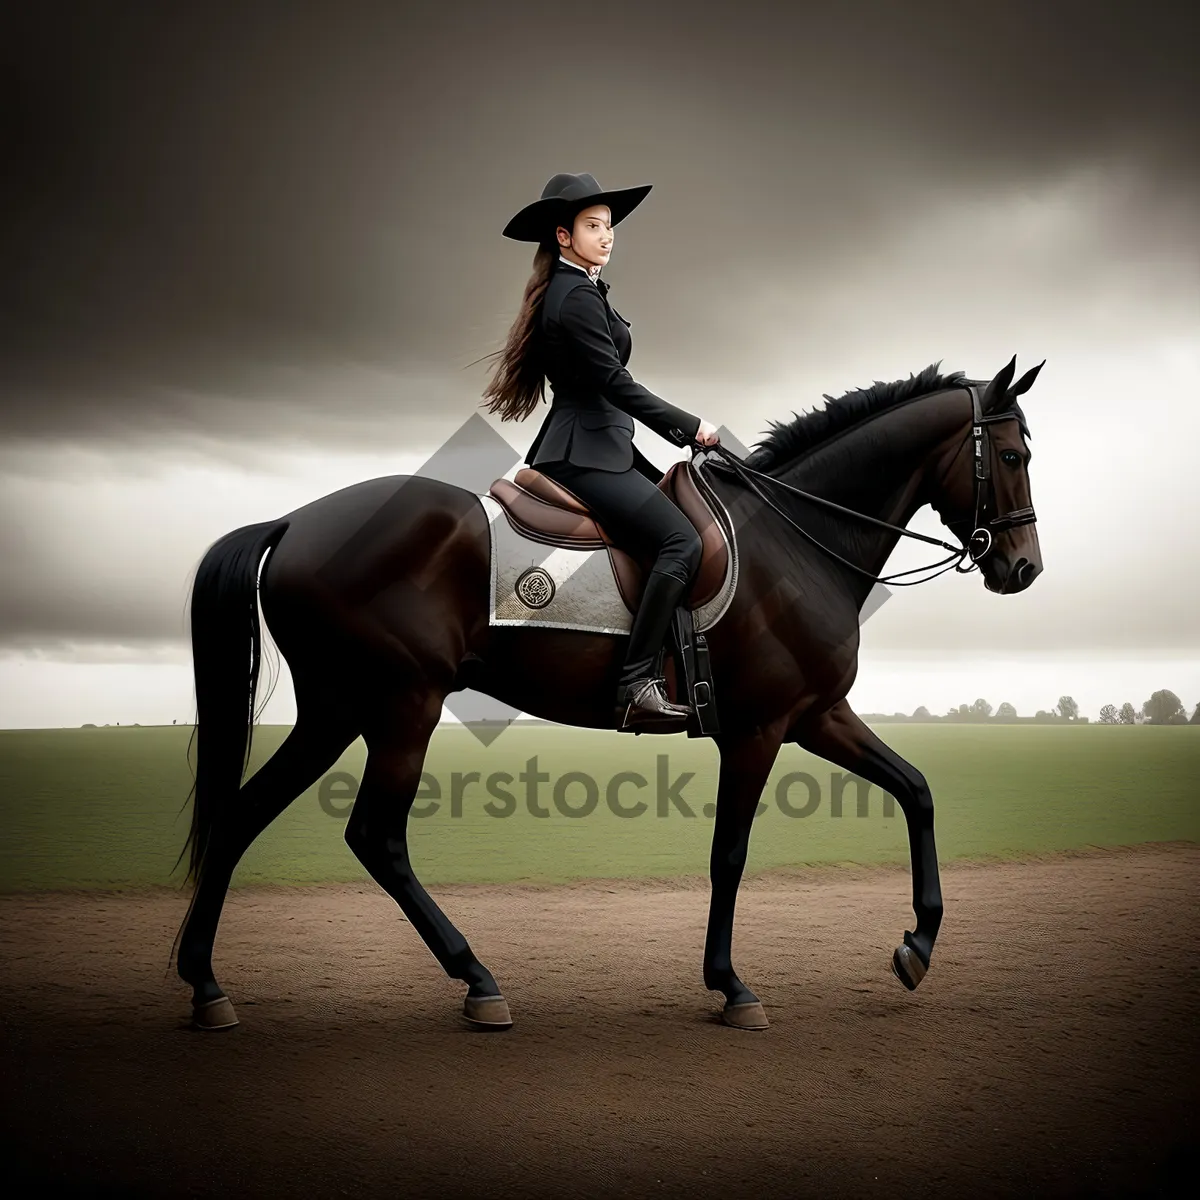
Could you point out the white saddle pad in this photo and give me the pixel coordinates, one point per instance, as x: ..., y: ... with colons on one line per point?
x: 552, y: 587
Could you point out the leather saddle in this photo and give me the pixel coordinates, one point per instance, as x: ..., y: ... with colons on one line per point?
x: 545, y: 511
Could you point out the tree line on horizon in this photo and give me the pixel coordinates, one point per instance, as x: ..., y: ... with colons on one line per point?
x: 1163, y: 708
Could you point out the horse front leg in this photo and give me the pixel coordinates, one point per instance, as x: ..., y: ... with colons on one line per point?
x: 841, y: 737
x: 746, y: 761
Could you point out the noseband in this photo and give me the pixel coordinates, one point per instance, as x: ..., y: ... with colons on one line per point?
x: 979, y: 544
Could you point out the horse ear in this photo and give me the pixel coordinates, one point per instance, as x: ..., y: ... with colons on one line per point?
x: 1025, y: 382
x: 997, y: 390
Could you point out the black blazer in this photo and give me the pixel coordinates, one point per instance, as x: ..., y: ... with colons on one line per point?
x: 585, y: 345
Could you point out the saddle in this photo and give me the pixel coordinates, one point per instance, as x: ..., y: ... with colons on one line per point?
x: 540, y: 509
x: 545, y: 511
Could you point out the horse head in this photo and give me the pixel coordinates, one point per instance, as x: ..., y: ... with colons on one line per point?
x: 986, y: 499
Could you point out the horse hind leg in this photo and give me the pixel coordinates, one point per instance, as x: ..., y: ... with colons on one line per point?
x: 319, y: 737
x: 377, y: 833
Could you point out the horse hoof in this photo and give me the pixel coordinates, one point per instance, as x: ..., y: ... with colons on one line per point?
x: 907, y: 967
x: 215, y: 1014
x: 487, y: 1012
x: 745, y: 1016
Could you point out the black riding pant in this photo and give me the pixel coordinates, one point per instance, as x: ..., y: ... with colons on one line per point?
x: 635, y: 513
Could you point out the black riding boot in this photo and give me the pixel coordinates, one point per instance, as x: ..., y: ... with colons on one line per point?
x: 642, y: 693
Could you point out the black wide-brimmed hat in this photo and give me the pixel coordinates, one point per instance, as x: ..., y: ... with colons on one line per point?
x: 564, y: 196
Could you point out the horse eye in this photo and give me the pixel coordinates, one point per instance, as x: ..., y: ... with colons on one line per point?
x: 1010, y: 458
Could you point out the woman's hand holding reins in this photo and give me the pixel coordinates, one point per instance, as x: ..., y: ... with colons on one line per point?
x: 706, y: 435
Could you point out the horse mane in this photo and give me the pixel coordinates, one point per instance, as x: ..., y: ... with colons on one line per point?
x: 787, y: 440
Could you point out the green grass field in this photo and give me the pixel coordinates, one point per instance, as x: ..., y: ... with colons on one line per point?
x: 100, y: 808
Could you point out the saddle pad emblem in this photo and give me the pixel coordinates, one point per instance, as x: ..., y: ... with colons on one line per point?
x: 534, y: 587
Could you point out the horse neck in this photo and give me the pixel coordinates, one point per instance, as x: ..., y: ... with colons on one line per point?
x: 885, y: 467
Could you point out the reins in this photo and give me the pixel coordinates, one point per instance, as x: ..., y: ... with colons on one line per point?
x: 977, y: 546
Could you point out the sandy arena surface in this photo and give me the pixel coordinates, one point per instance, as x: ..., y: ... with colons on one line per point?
x: 1053, y: 1049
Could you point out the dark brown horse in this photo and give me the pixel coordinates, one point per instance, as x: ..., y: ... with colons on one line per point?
x: 378, y: 598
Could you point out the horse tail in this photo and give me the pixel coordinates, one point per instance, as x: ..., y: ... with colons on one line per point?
x: 225, y: 625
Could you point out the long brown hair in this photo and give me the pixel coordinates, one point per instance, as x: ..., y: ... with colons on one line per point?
x: 518, y: 384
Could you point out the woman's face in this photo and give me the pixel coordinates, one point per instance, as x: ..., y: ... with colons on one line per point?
x: 592, y: 237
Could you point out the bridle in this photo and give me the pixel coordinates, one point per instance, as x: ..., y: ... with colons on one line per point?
x: 976, y: 547
x: 979, y: 544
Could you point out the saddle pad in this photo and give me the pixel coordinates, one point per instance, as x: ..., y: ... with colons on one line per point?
x: 553, y: 587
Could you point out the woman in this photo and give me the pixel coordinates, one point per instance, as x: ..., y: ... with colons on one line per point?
x: 567, y: 332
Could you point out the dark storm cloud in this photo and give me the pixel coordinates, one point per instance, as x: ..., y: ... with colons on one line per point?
x: 211, y: 208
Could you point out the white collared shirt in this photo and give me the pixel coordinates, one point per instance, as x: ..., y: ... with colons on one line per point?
x: 593, y: 273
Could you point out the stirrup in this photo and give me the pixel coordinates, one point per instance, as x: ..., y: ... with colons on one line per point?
x: 648, y: 706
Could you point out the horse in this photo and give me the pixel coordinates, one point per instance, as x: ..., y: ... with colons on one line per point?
x: 377, y: 597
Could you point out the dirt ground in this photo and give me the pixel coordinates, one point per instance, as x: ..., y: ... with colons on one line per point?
x: 1053, y: 1049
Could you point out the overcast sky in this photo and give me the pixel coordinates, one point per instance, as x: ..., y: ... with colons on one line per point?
x: 250, y: 256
